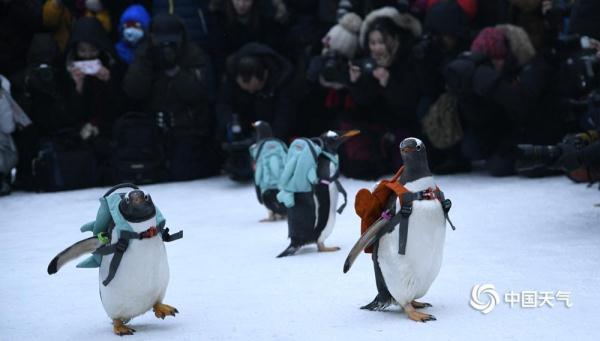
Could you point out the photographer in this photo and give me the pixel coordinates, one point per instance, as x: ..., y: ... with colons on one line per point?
x: 327, y: 99
x: 258, y: 86
x: 383, y: 87
x: 505, y: 97
x: 167, y: 79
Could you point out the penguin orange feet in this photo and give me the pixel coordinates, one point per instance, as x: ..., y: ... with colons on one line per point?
x: 420, y: 305
x: 417, y: 316
x: 163, y: 310
x: 322, y: 248
x: 121, y: 329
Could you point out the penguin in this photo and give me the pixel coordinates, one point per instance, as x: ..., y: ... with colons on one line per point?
x: 139, y: 280
x: 265, y: 183
x: 312, y: 218
x: 403, y: 278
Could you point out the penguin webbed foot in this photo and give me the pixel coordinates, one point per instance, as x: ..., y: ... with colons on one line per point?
x: 121, y: 329
x: 322, y: 248
x: 290, y: 250
x: 416, y: 315
x: 377, y: 305
x: 272, y: 217
x: 163, y: 310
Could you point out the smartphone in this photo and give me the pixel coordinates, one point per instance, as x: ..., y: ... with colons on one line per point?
x: 88, y: 67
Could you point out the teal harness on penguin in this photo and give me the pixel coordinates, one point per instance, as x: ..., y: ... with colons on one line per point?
x: 109, y: 218
x: 309, y: 188
x: 127, y: 247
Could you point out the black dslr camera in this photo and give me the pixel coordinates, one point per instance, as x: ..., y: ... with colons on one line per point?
x: 366, y: 65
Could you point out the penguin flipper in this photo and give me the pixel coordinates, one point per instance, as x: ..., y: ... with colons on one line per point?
x: 80, y: 248
x: 289, y: 251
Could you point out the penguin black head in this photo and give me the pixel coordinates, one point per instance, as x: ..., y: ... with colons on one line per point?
x: 137, y: 206
x: 332, y: 140
x: 263, y: 130
x: 414, y: 156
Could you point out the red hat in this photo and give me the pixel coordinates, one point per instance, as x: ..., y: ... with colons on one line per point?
x: 468, y: 6
x: 490, y: 41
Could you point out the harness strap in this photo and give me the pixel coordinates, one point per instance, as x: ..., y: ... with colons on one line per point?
x: 122, y: 244
x: 341, y: 190
x: 406, y: 210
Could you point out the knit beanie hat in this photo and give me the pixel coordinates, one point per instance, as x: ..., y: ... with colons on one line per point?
x: 491, y: 42
x: 343, y: 37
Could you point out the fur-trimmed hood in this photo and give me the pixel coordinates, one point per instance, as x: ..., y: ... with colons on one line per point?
x: 403, y: 20
x: 519, y: 43
x: 277, y: 8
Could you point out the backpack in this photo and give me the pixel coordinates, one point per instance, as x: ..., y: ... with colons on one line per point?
x: 269, y: 156
x: 64, y: 162
x: 300, y: 171
x: 137, y: 150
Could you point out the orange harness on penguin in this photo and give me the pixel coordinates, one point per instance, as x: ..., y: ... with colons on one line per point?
x: 371, y: 207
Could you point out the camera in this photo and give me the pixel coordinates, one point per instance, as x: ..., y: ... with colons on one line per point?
x: 334, y: 68
x: 531, y: 158
x: 366, y: 65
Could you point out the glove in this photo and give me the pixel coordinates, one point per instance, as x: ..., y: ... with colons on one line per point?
x: 570, y: 157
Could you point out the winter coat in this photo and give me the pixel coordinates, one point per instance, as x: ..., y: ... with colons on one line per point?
x: 137, y: 13
x: 182, y: 96
x: 194, y: 15
x: 584, y: 18
x: 516, y: 105
x: 19, y: 20
x: 276, y: 103
x: 59, y: 19
x: 11, y: 116
x: 100, y: 102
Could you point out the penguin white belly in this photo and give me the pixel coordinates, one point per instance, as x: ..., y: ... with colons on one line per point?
x: 140, y: 281
x: 333, y: 198
x: 409, y: 276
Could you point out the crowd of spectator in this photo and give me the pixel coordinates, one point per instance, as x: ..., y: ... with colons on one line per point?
x: 100, y: 91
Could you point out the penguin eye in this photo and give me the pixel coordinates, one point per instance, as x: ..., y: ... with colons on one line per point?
x: 419, y: 147
x: 146, y: 197
x: 127, y: 199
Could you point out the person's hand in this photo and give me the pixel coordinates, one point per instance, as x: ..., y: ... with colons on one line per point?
x: 354, y: 72
x: 330, y: 85
x: 103, y: 74
x: 546, y: 6
x: 382, y: 75
x: 78, y: 76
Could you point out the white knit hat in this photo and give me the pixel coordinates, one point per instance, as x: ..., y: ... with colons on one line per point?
x: 343, y: 37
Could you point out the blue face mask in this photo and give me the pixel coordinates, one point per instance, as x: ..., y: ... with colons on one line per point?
x: 133, y: 35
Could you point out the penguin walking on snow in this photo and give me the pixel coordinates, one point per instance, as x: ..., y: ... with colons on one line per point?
x: 268, y: 154
x: 312, y: 217
x: 128, y: 248
x: 408, y: 239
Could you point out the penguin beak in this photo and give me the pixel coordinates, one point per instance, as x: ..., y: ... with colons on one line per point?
x: 350, y: 133
x: 343, y: 136
x: 363, y: 242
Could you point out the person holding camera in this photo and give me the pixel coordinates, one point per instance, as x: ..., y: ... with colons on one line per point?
x: 327, y: 99
x: 167, y: 80
x: 93, y: 96
x: 504, y: 97
x: 383, y: 87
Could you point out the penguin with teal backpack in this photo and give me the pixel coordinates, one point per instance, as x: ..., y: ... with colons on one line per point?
x: 268, y: 155
x: 309, y: 188
x: 127, y: 247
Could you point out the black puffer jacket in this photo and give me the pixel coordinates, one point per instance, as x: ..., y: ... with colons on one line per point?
x: 181, y: 94
x: 100, y: 102
x: 276, y: 103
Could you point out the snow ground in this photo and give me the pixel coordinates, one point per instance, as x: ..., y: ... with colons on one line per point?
x: 518, y: 234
